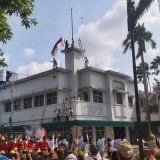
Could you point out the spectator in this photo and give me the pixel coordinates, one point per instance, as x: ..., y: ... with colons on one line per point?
x: 123, y: 152
x: 93, y: 153
x: 101, y: 145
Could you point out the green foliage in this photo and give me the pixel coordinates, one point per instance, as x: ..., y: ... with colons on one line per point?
x: 141, y: 36
x: 20, y: 8
x: 142, y: 7
x: 139, y: 71
x: 153, y: 108
x: 2, y: 63
x: 156, y: 85
x: 155, y: 65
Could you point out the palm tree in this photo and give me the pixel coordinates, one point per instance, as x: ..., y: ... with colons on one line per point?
x: 141, y: 36
x: 155, y: 65
x: 143, y: 6
x: 156, y: 85
x: 140, y: 75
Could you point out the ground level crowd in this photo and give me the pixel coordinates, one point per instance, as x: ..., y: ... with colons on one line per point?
x: 82, y: 148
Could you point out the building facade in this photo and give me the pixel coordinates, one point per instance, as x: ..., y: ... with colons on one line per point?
x: 87, y: 100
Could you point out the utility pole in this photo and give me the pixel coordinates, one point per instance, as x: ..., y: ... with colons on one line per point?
x: 10, y: 118
x: 131, y: 28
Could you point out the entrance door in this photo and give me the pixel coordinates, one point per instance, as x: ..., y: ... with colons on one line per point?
x: 119, y: 132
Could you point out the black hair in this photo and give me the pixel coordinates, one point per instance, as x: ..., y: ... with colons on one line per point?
x: 93, y: 150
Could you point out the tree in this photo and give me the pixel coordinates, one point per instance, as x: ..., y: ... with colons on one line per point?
x: 141, y: 36
x: 143, y: 6
x: 2, y: 63
x: 20, y: 8
x: 155, y: 65
x: 147, y: 72
x: 156, y: 85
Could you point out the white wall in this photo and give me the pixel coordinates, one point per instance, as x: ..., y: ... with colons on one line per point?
x: 121, y: 112
x: 84, y: 79
x: 97, y: 80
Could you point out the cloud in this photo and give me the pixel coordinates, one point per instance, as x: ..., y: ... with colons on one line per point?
x: 153, y: 53
x: 33, y: 68
x: 103, y: 38
x: 7, y: 57
x: 29, y: 52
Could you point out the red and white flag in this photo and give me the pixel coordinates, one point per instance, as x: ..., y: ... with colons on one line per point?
x: 58, y: 44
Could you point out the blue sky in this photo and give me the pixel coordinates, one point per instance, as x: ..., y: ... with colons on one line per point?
x: 102, y: 29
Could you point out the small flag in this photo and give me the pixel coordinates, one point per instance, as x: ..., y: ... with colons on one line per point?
x: 58, y: 44
x: 8, y: 76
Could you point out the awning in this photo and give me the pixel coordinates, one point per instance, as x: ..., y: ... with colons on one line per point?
x: 88, y: 123
x: 69, y: 124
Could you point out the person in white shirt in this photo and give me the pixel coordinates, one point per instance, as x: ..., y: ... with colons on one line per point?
x: 86, y: 145
x: 101, y: 145
x: 55, y: 115
x: 117, y: 142
x: 80, y: 142
x: 63, y: 142
x: 51, y: 143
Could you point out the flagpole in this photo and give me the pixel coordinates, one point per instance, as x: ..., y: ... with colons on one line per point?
x: 72, y: 45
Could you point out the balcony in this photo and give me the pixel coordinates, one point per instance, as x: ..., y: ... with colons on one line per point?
x: 89, y: 110
x: 81, y: 111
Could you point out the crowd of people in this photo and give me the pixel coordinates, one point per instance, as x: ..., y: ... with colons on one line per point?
x: 83, y: 148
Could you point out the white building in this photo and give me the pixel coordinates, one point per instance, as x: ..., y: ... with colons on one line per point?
x: 102, y: 101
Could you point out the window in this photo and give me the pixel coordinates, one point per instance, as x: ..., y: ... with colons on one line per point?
x: 119, y: 98
x: 27, y: 103
x: 85, y: 96
x: 51, y: 98
x: 8, y: 107
x: 17, y: 105
x: 39, y: 101
x: 97, y: 96
x: 130, y: 101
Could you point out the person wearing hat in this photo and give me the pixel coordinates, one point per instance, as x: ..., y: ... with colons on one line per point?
x: 123, y: 152
x: 152, y: 142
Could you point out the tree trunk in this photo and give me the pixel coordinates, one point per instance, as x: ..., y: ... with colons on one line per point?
x: 149, y: 83
x: 146, y: 91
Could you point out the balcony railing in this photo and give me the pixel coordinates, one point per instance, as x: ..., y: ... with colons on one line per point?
x: 81, y: 110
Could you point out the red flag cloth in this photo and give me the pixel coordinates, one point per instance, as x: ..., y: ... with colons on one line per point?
x: 58, y: 44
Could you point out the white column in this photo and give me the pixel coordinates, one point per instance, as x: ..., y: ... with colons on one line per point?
x: 91, y: 95
x: 127, y: 133
x: 94, y: 133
